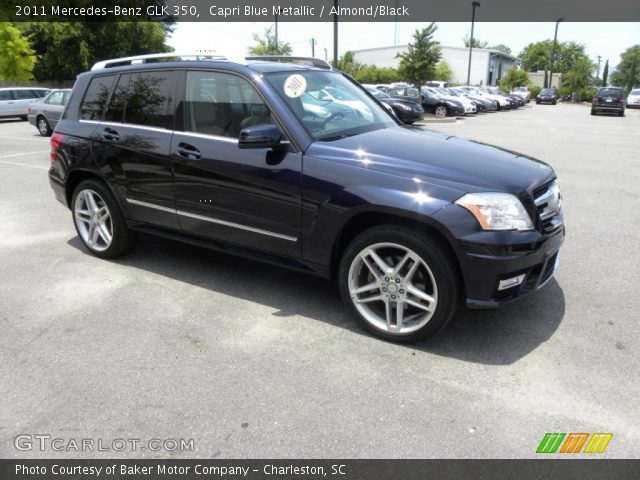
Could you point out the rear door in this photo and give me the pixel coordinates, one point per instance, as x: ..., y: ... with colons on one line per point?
x: 250, y: 197
x: 133, y: 142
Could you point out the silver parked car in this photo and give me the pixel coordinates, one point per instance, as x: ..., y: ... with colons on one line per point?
x: 14, y: 101
x: 45, y: 114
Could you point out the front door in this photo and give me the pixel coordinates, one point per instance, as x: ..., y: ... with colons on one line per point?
x: 249, y: 197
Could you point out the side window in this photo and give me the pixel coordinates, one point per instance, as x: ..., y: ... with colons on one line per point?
x: 148, y: 101
x: 55, y: 98
x: 96, y: 97
x: 5, y: 95
x: 115, y: 109
x: 222, y: 104
x: 25, y: 94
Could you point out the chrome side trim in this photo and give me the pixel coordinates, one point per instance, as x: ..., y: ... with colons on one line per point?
x: 150, y: 205
x: 212, y: 220
x: 236, y: 225
x: 208, y: 136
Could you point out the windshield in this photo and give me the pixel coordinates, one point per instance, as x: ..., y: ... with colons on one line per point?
x: 347, y: 110
x: 635, y: 92
x: 549, y: 91
x: 377, y: 93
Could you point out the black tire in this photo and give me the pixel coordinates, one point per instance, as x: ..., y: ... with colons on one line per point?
x: 435, y: 256
x: 122, y: 238
x: 554, y: 102
x: 43, y: 126
x: 593, y: 112
x: 621, y: 114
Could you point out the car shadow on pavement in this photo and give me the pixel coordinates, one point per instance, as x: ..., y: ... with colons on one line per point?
x: 492, y: 337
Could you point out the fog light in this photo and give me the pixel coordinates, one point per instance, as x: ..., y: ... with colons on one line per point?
x: 511, y: 282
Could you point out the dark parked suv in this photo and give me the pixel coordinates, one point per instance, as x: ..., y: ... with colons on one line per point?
x: 227, y: 155
x: 609, y: 100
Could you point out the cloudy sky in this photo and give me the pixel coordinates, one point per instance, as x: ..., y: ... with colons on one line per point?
x: 608, y: 40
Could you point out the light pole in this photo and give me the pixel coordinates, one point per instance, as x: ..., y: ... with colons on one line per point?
x: 335, y: 34
x: 473, y: 19
x: 276, y: 18
x: 553, y: 52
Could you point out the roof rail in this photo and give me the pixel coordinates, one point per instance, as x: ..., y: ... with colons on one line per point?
x: 313, y: 62
x: 117, y: 62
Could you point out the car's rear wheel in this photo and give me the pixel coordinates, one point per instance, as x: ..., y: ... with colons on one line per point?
x: 621, y: 113
x: 441, y: 111
x: 401, y: 284
x: 99, y: 221
x: 43, y: 126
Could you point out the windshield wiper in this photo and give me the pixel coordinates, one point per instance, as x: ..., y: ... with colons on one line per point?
x: 331, y: 138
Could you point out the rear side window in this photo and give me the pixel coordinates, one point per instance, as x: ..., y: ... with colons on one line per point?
x: 148, y: 100
x: 25, y: 94
x: 5, y: 95
x: 56, y: 98
x: 96, y: 97
x: 115, y: 110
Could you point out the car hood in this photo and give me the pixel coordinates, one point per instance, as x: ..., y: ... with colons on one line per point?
x: 460, y: 165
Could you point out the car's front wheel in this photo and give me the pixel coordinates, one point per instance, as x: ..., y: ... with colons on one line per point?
x: 401, y: 284
x: 99, y: 221
x: 43, y: 126
x: 441, y: 111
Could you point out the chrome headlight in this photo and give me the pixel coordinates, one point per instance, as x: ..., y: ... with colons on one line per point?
x: 497, y: 211
x: 404, y: 107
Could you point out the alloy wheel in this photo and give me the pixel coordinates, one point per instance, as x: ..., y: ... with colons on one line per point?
x: 93, y: 220
x: 43, y: 126
x: 392, y: 288
x: 441, y: 111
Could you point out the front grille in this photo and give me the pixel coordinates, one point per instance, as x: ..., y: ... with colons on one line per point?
x: 548, y: 202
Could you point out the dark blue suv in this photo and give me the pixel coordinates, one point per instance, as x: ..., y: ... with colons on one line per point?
x: 250, y: 157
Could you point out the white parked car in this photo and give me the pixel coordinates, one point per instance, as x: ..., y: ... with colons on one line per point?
x: 503, y: 103
x: 633, y: 99
x: 522, y: 92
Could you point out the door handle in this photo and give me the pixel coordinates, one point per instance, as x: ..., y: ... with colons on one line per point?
x: 111, y: 135
x: 188, y: 151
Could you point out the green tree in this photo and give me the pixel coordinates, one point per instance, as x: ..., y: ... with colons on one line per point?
x: 17, y: 59
x: 267, y: 45
x: 514, y: 77
x: 477, y: 43
x: 627, y: 72
x: 65, y: 49
x: 537, y: 56
x: 579, y: 77
x: 501, y: 48
x: 443, y: 71
x: 347, y: 64
x: 418, y: 63
x: 605, y: 74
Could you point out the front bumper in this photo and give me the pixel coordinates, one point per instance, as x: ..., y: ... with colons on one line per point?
x: 484, y: 272
x: 486, y: 258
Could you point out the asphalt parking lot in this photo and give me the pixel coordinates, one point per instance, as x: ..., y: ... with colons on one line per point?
x: 251, y: 361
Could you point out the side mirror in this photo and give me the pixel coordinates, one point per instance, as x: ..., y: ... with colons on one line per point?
x: 265, y: 135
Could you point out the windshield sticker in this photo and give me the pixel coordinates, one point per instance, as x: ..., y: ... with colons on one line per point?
x: 295, y: 85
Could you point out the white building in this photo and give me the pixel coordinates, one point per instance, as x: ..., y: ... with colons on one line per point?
x: 487, y: 66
